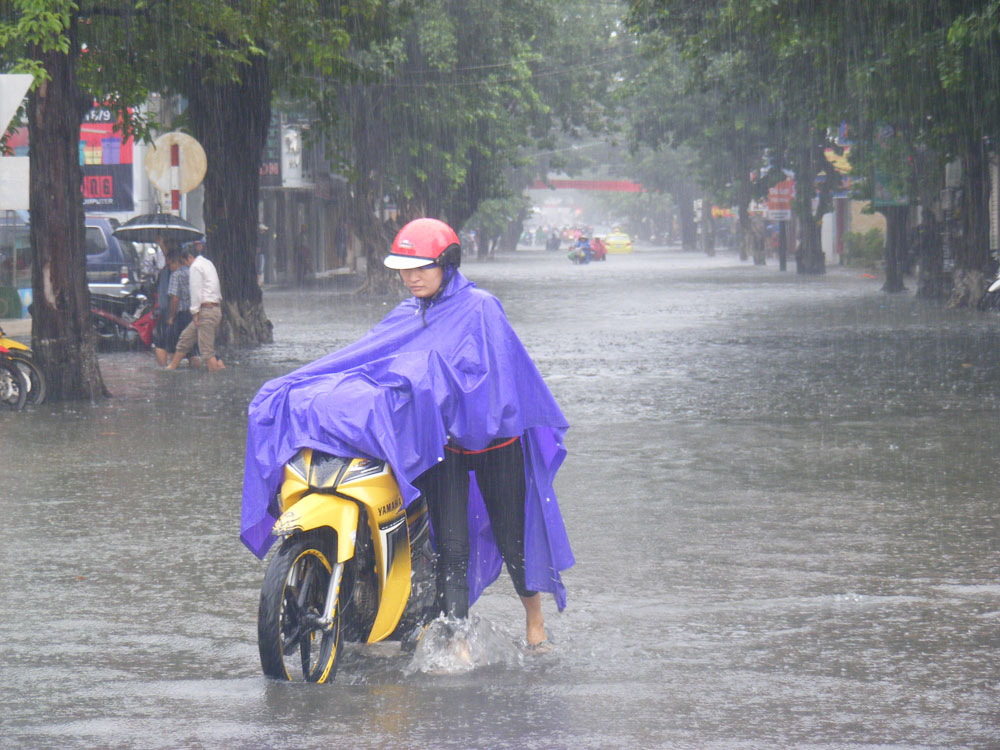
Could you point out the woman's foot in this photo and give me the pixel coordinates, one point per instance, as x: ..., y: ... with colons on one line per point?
x: 537, y: 649
x: 534, y: 622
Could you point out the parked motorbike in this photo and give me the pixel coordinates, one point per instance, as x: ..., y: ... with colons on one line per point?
x: 353, y: 565
x: 20, y: 355
x: 13, y: 387
x: 122, y: 322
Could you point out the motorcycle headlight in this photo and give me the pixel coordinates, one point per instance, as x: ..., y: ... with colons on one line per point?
x: 324, y: 469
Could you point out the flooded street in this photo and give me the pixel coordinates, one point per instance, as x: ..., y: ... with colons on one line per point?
x: 781, y: 492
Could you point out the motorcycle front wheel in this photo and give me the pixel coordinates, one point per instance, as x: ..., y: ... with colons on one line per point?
x: 32, y: 375
x: 293, y: 644
x: 13, y: 386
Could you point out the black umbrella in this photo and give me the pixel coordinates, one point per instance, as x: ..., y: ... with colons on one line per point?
x: 147, y: 227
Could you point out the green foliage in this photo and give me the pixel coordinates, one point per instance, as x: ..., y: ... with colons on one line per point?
x: 447, y: 109
x: 494, y: 215
x: 742, y: 84
x: 32, y: 27
x: 864, y: 250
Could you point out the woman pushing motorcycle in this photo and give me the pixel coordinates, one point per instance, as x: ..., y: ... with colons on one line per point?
x: 498, y: 468
x: 443, y: 390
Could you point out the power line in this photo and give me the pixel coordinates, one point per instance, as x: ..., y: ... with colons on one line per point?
x: 494, y: 81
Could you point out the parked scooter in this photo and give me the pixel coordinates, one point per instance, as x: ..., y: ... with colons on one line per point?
x: 20, y: 355
x: 13, y: 387
x: 122, y: 322
x: 353, y: 565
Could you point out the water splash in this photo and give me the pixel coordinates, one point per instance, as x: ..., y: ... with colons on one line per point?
x: 452, y: 646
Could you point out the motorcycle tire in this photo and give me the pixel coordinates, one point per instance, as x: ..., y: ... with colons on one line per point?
x: 293, y: 645
x: 13, y: 386
x: 33, y: 375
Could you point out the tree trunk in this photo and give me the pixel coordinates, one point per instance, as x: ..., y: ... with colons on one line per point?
x: 375, y: 238
x: 931, y: 277
x: 511, y: 235
x: 482, y: 244
x: 973, y: 263
x: 685, y: 215
x: 707, y: 227
x: 809, y: 254
x: 745, y: 242
x: 231, y: 120
x: 364, y: 110
x: 895, y: 247
x: 782, y: 245
x: 62, y: 336
x: 755, y: 239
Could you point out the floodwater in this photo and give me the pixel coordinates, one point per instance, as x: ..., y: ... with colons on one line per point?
x: 781, y: 493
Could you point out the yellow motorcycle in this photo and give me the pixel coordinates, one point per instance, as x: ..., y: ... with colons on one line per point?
x: 13, y: 388
x: 353, y: 565
x: 20, y: 356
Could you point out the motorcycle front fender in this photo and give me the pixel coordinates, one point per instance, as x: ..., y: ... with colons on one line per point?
x: 316, y: 511
x: 13, y: 345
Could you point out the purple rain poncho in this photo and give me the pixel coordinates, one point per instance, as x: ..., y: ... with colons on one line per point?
x: 430, y: 370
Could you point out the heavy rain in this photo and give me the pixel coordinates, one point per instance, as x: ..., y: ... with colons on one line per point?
x: 776, y: 346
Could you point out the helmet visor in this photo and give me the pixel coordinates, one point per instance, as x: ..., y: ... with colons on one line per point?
x: 403, y: 262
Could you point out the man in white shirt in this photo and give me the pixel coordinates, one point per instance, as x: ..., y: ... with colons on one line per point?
x: 206, y: 313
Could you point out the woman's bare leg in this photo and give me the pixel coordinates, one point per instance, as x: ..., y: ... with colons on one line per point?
x: 534, y: 631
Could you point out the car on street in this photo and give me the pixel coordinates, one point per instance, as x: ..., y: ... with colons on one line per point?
x: 617, y: 241
x: 113, y: 265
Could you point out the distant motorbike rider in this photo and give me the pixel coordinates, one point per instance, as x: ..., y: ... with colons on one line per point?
x: 581, y: 250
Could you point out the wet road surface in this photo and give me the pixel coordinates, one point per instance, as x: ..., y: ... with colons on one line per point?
x: 780, y: 491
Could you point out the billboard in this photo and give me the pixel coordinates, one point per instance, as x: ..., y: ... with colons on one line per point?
x: 779, y: 200
x: 106, y: 162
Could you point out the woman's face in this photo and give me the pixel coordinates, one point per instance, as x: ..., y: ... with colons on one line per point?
x: 422, y: 282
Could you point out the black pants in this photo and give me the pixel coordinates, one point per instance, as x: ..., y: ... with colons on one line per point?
x: 499, y: 474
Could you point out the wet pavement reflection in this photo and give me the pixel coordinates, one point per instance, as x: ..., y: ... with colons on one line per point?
x: 781, y: 494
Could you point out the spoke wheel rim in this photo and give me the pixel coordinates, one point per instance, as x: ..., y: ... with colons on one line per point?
x: 306, y: 647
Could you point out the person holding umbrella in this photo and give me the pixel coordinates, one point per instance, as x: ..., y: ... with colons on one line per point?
x: 206, y: 313
x: 160, y: 329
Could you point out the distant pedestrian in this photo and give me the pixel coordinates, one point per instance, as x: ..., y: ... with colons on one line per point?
x: 160, y: 332
x: 303, y: 266
x: 206, y: 311
x: 340, y: 244
x: 178, y: 307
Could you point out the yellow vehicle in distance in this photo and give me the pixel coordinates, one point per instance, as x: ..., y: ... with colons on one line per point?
x: 618, y: 242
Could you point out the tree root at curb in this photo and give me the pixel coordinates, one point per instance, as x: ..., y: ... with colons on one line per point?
x: 245, y: 325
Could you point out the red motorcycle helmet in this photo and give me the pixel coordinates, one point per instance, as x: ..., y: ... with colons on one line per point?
x: 424, y: 242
